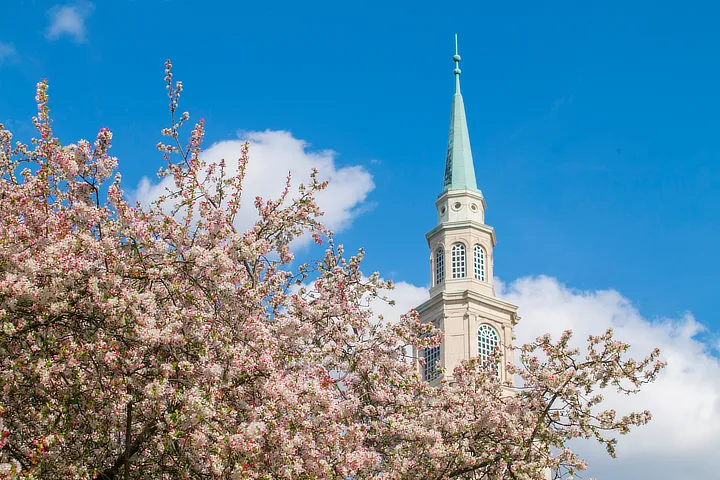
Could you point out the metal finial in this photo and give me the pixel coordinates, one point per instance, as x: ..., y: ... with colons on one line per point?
x: 457, y: 71
x: 456, y: 57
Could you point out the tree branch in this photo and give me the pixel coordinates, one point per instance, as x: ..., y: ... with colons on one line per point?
x: 112, y: 472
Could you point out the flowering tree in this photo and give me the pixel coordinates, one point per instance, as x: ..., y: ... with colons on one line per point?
x: 162, y: 342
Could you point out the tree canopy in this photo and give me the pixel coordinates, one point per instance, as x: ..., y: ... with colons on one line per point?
x: 162, y: 341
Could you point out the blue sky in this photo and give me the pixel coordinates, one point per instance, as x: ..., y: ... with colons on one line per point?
x: 593, y: 124
x: 594, y: 128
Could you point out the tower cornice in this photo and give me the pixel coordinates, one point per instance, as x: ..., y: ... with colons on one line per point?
x: 461, y: 225
x: 468, y: 297
x: 451, y: 194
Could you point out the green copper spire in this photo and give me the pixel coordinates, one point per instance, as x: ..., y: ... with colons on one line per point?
x: 459, y: 169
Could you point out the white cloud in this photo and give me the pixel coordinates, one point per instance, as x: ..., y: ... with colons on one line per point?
x: 69, y: 20
x: 274, y: 153
x: 684, y: 434
x: 406, y: 296
x: 7, y: 52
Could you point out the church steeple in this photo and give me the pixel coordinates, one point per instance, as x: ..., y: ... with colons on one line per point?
x: 459, y: 169
x: 462, y: 298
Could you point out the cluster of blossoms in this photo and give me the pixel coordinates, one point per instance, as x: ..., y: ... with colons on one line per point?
x: 160, y: 342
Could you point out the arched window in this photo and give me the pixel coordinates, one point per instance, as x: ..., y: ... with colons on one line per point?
x: 431, y: 368
x: 439, y: 266
x: 488, y: 342
x: 479, y: 262
x: 458, y: 260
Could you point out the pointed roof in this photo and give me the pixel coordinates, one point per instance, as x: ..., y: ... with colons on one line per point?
x: 459, y: 169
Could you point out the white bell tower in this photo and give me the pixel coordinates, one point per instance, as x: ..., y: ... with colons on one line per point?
x: 462, y: 298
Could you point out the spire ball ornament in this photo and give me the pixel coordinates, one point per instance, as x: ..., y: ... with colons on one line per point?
x: 457, y: 71
x: 456, y: 58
